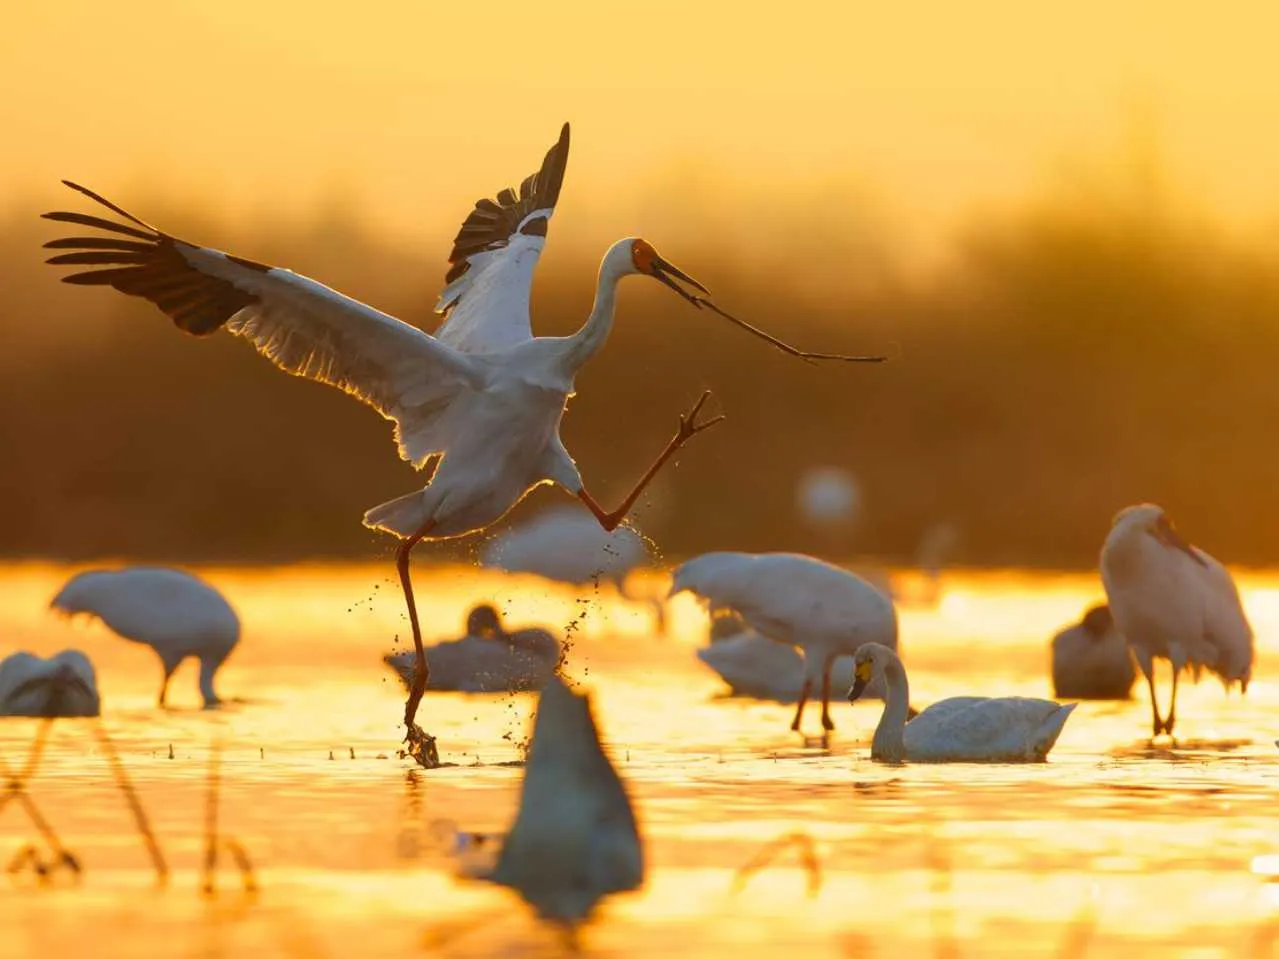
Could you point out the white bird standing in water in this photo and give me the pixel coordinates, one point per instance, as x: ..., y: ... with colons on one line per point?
x: 826, y: 611
x: 1173, y: 601
x: 482, y: 399
x: 173, y: 612
x: 62, y: 685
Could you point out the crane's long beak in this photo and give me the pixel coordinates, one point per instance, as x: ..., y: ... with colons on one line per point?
x: 663, y: 270
x: 1168, y: 535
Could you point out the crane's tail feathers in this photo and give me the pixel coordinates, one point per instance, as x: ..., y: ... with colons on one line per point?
x: 403, y: 516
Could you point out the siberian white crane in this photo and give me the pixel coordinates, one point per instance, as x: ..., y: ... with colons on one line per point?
x: 178, y: 615
x: 797, y: 600
x: 482, y: 399
x: 1172, y: 600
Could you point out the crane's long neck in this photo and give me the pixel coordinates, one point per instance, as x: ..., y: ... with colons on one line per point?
x: 888, y: 741
x: 587, y: 341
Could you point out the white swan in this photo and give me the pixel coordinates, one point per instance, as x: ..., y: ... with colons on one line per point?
x: 486, y: 660
x: 62, y: 685
x: 1173, y: 601
x: 1091, y: 660
x: 962, y: 729
x: 797, y: 600
x: 173, y: 612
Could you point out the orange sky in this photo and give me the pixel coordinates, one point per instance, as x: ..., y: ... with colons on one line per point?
x: 416, y: 107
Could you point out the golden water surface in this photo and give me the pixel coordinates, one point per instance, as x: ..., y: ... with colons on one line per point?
x: 1110, y: 848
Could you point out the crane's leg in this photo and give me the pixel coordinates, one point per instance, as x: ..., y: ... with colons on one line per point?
x: 1172, y: 710
x: 827, y: 723
x: 421, y: 744
x: 169, y: 670
x: 803, y: 699
x: 1154, y: 706
x: 688, y: 428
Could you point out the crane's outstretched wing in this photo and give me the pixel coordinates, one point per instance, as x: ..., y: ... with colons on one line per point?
x: 302, y: 326
x: 486, y: 292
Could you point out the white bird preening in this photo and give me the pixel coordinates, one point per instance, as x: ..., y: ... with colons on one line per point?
x: 567, y: 544
x: 1006, y: 729
x: 797, y: 600
x: 175, y: 613
x: 1173, y: 601
x: 62, y: 685
x: 482, y: 399
x: 487, y: 659
x: 575, y: 839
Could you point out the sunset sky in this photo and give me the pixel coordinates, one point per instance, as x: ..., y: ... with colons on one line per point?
x: 917, y: 114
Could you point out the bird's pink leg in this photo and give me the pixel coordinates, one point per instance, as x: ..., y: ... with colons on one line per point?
x: 827, y: 723
x: 1172, y: 710
x: 421, y: 744
x: 688, y: 428
x: 799, y: 707
x: 1154, y: 706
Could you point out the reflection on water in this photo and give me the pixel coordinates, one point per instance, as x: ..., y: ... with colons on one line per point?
x: 1109, y: 847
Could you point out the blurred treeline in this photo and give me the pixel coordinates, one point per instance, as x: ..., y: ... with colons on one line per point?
x: 1066, y: 359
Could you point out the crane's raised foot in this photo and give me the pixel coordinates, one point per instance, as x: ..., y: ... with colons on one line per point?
x: 421, y: 747
x: 688, y: 425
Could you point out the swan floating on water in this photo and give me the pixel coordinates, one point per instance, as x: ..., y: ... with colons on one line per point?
x: 575, y: 839
x: 962, y: 729
x: 487, y: 659
x: 173, y: 612
x: 1173, y: 601
x: 62, y: 685
x: 1091, y: 659
x: 799, y: 601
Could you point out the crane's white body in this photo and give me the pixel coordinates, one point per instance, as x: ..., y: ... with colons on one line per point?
x: 961, y: 729
x: 797, y: 600
x: 519, y: 661
x: 1173, y: 601
x: 1091, y: 660
x: 175, y: 613
x: 62, y: 685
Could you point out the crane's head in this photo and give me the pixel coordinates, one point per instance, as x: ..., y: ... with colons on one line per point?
x: 1153, y: 521
x: 640, y: 257
x: 635, y: 256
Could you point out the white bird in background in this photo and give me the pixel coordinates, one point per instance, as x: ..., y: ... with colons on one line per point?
x: 487, y: 659
x: 1091, y: 659
x: 173, y: 612
x: 482, y: 400
x: 1009, y: 729
x: 828, y: 495
x: 755, y: 667
x: 797, y: 600
x: 62, y: 685
x: 568, y: 545
x: 575, y: 839
x: 1173, y: 601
